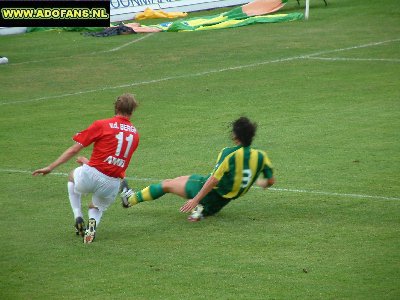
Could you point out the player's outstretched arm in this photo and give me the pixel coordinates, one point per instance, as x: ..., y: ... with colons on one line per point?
x: 70, y: 152
x: 207, y: 187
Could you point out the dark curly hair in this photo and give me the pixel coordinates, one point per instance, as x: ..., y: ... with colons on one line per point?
x: 244, y: 130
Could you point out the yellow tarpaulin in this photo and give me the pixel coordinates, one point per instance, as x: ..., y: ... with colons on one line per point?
x: 159, y: 14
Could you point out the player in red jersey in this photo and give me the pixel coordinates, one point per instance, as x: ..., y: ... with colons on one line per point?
x: 114, y: 141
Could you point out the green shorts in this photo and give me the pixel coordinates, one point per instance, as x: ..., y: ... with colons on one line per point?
x: 212, y: 202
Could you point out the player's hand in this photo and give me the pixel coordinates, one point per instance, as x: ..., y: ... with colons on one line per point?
x: 82, y: 160
x: 189, y: 205
x: 43, y: 171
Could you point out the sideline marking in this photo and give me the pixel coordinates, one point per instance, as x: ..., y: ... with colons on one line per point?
x: 125, y: 45
x: 354, y: 59
x: 203, y: 73
x: 353, y: 47
x: 334, y: 194
x: 272, y: 189
x: 86, y: 54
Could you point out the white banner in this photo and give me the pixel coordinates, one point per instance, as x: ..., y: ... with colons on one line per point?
x: 12, y: 30
x: 122, y: 10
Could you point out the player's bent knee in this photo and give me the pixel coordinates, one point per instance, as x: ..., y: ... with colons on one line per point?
x: 175, y: 186
x: 167, y: 185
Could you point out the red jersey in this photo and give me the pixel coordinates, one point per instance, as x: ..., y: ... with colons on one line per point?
x: 115, y: 140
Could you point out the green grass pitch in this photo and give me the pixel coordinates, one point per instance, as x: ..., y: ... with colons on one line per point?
x: 325, y: 94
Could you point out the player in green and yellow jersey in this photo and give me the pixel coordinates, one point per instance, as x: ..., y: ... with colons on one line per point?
x: 237, y: 169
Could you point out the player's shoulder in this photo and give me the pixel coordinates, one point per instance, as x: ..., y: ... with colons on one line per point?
x: 256, y: 149
x: 227, y: 151
x: 231, y: 149
x: 103, y: 121
x: 264, y: 153
x: 261, y: 154
x: 112, y: 121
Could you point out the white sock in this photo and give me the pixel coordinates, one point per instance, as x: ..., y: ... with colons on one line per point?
x: 75, y: 200
x: 95, y: 214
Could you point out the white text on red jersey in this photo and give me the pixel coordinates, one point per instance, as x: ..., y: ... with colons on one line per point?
x: 123, y: 127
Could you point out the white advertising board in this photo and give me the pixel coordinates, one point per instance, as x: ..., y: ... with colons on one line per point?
x: 12, y: 30
x: 122, y: 10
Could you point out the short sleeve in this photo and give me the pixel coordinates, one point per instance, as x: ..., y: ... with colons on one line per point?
x: 89, y: 135
x: 267, y: 168
x: 221, y: 169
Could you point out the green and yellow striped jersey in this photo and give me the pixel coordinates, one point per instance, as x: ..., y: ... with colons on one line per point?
x: 238, y: 168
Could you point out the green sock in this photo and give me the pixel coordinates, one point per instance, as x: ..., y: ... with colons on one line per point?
x: 152, y: 192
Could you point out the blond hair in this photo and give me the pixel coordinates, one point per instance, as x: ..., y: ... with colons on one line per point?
x: 125, y: 105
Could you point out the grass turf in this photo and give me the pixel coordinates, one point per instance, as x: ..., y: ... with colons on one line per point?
x: 330, y: 123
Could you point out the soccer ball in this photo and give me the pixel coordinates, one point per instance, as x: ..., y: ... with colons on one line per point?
x: 3, y: 60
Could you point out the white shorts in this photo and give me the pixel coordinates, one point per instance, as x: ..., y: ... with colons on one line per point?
x: 104, y: 188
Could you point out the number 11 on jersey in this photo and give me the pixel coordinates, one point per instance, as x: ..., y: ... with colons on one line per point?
x: 120, y: 138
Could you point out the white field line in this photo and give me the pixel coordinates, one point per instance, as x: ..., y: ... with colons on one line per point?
x: 335, y: 194
x: 126, y: 44
x: 150, y: 81
x: 233, y: 68
x: 361, y: 196
x: 352, y: 48
x: 86, y: 54
x: 353, y: 59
